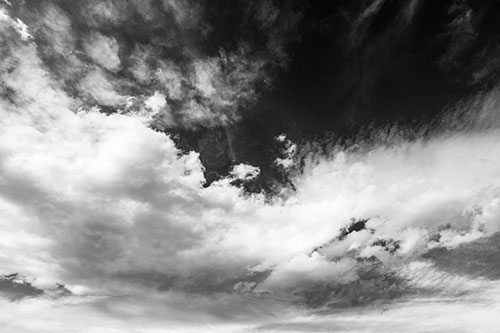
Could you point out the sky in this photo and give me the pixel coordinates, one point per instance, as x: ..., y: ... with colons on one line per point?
x: 249, y: 166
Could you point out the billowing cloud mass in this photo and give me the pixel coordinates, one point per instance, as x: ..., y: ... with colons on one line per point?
x: 109, y: 226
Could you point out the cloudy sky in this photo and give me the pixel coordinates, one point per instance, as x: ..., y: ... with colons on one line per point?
x: 249, y: 166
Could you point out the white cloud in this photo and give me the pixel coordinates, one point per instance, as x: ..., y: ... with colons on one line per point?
x: 56, y: 29
x: 104, y: 12
x: 139, y: 66
x: 156, y: 102
x: 111, y: 196
x: 170, y: 76
x: 304, y: 271
x: 99, y: 85
x: 288, y: 152
x: 245, y: 172
x: 103, y: 50
x: 23, y: 30
x: 206, y: 75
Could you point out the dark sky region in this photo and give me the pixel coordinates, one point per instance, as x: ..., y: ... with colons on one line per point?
x: 305, y: 68
x: 249, y: 166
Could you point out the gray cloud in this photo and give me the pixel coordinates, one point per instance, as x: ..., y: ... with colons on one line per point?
x: 15, y: 287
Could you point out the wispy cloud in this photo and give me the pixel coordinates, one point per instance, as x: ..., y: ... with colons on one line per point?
x: 155, y: 46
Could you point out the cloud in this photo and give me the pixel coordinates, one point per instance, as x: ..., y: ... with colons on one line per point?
x: 156, y: 102
x: 14, y: 287
x: 103, y: 50
x: 171, y: 78
x: 112, y: 182
x: 78, y: 43
x: 139, y: 67
x: 245, y: 171
x: 225, y: 84
x: 304, y: 271
x: 124, y: 199
x: 418, y: 315
x: 108, y: 205
x: 186, y: 13
x: 101, y: 13
x: 53, y: 27
x: 462, y: 32
x: 99, y: 86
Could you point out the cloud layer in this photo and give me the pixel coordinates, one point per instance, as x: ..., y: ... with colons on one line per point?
x: 113, y: 209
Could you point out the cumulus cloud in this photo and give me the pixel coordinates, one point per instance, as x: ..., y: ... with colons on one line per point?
x: 245, y: 171
x: 156, y: 102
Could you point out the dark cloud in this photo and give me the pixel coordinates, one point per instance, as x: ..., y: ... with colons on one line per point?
x: 477, y: 259
x: 15, y: 287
